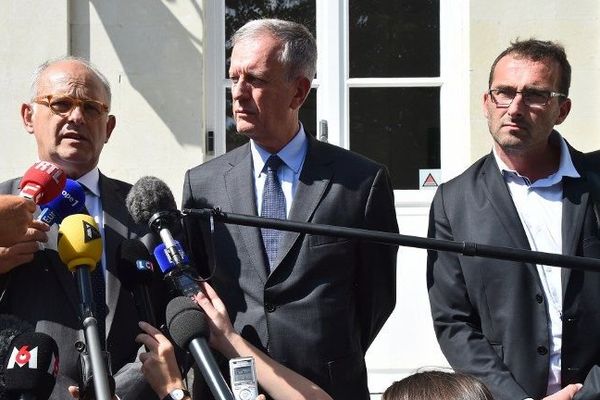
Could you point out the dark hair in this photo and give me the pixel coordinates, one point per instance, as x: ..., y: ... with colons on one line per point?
x: 438, y: 385
x: 539, y: 50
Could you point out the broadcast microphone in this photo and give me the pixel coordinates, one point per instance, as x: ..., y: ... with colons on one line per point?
x: 136, y: 273
x: 189, y: 329
x: 151, y: 202
x: 70, y: 201
x: 31, y: 369
x: 80, y: 249
x: 165, y: 261
x: 42, y: 182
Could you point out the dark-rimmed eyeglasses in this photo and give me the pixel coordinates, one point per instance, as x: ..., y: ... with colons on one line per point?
x: 531, y: 97
x: 62, y: 105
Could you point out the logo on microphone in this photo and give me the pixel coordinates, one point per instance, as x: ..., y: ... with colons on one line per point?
x: 144, y: 265
x: 22, y: 357
x: 51, y: 169
x: 90, y: 232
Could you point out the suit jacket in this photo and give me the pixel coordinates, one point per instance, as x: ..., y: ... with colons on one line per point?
x: 490, y: 316
x: 326, y: 299
x: 44, y: 293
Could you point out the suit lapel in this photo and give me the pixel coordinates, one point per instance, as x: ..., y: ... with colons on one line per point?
x: 114, y: 231
x: 314, y: 179
x: 239, y: 186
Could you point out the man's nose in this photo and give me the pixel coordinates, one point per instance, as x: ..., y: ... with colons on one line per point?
x: 76, y: 115
x: 517, y: 105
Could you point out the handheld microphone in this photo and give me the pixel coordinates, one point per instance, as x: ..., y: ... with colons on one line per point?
x: 71, y: 200
x: 80, y: 248
x: 151, y: 202
x: 31, y: 369
x: 42, y: 182
x: 189, y: 329
x: 136, y: 273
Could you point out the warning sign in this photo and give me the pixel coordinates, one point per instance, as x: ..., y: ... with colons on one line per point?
x: 429, y: 178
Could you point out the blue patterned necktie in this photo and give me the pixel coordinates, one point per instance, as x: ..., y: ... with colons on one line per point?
x: 273, y: 206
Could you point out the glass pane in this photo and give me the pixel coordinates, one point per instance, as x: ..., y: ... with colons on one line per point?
x: 308, y: 117
x: 398, y: 127
x: 238, y: 12
x: 394, y: 38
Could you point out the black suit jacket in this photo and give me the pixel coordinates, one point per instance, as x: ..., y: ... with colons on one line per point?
x: 490, y: 316
x: 327, y: 298
x: 44, y: 293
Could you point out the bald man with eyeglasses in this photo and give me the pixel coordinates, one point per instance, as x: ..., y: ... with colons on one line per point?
x: 68, y: 115
x: 526, y: 330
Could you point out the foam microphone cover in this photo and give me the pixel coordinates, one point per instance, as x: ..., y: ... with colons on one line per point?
x: 148, y: 196
x: 79, y: 242
x: 10, y: 327
x: 134, y: 265
x: 186, y: 321
x: 32, y: 365
x: 70, y: 201
x: 42, y: 182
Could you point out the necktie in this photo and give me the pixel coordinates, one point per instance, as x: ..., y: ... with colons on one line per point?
x: 273, y: 206
x: 98, y: 287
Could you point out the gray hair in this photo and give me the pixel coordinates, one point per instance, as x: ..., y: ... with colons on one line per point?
x: 37, y: 74
x: 299, y: 49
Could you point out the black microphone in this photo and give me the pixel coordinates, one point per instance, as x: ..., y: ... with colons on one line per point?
x: 136, y: 274
x: 151, y: 202
x: 10, y: 327
x: 31, y: 369
x: 189, y: 329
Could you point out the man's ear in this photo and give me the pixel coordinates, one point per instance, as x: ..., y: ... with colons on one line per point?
x: 27, y: 116
x: 302, y: 87
x: 564, y: 109
x: 110, y: 126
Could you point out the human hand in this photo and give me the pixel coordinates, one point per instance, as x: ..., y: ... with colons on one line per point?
x: 16, y: 214
x: 221, y: 331
x: 565, y: 393
x: 23, y: 251
x: 159, y: 365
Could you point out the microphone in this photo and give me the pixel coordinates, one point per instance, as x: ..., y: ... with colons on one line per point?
x: 164, y: 261
x: 70, y: 201
x: 151, y: 202
x: 42, y: 182
x: 136, y: 273
x: 80, y: 249
x: 189, y: 329
x: 31, y: 369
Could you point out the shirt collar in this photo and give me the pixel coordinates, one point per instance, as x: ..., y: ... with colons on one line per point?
x: 292, y: 154
x: 91, y: 181
x: 565, y: 167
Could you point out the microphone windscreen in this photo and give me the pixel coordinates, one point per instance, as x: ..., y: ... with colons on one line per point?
x: 42, y: 182
x: 79, y: 242
x: 186, y: 321
x: 32, y: 365
x: 10, y: 327
x: 70, y: 201
x: 148, y: 196
x: 135, y: 266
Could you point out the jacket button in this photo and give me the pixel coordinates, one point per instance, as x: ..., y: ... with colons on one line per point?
x: 539, y: 298
x: 270, y: 307
x: 542, y: 350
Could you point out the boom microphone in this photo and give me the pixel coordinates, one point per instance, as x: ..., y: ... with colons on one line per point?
x: 136, y: 273
x: 31, y: 369
x: 80, y: 248
x: 151, y: 202
x: 42, y: 182
x: 70, y: 201
x: 189, y: 329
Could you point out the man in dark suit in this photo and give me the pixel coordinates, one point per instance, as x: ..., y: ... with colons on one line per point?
x: 526, y: 330
x: 69, y: 116
x: 313, y: 303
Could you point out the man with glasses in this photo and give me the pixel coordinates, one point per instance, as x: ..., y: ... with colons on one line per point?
x: 68, y: 115
x: 526, y: 330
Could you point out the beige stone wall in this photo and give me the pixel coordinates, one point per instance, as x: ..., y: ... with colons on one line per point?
x: 575, y: 24
x: 152, y: 54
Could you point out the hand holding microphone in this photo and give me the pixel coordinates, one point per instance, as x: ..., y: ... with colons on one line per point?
x: 16, y: 215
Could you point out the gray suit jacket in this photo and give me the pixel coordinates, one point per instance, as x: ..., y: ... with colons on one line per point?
x: 327, y: 298
x: 490, y: 316
x: 44, y: 293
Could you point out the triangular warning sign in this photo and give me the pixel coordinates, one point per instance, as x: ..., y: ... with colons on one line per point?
x: 429, y: 181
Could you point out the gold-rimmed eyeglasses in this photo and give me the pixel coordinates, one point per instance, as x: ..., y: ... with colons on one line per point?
x: 62, y: 105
